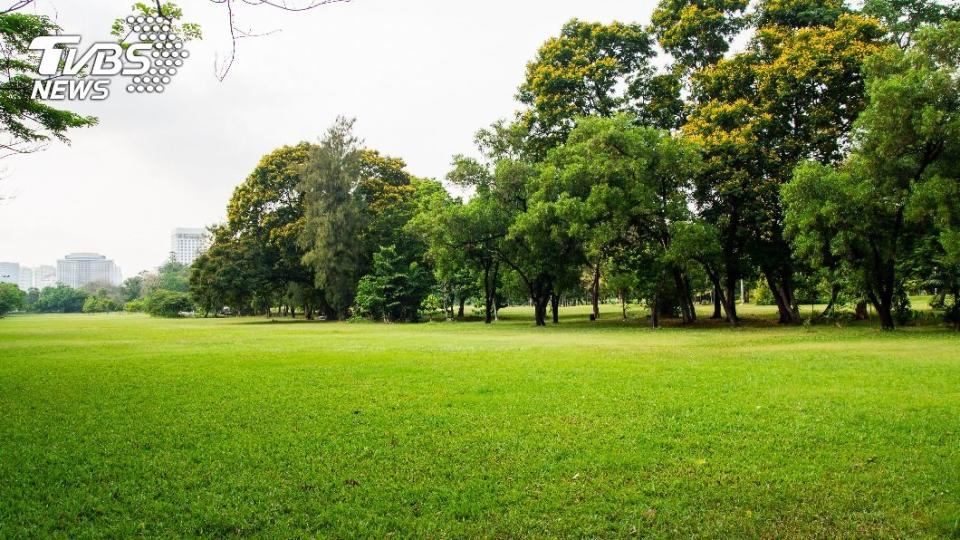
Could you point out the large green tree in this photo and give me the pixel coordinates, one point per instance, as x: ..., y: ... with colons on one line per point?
x: 11, y: 298
x: 335, y: 216
x: 267, y: 211
x: 589, y: 69
x: 698, y: 33
x: 615, y: 183
x: 899, y: 186
x: 792, y: 95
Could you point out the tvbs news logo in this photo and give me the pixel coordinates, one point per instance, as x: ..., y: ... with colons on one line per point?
x: 148, y: 65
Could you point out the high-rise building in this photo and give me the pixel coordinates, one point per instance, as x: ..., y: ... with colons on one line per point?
x: 44, y: 276
x: 26, y: 278
x: 10, y: 272
x: 187, y: 244
x: 79, y: 269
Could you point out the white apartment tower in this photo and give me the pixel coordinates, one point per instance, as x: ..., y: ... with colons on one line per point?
x: 26, y: 278
x: 44, y: 276
x: 186, y: 244
x: 78, y: 269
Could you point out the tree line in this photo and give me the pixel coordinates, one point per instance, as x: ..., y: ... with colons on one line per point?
x: 162, y: 293
x: 650, y: 163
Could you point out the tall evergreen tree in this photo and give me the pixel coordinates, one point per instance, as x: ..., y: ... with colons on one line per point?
x: 333, y: 232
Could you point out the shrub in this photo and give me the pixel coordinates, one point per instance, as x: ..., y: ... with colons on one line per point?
x: 11, y: 298
x: 134, y: 306
x: 60, y: 299
x: 99, y: 304
x: 164, y: 303
x: 394, y: 290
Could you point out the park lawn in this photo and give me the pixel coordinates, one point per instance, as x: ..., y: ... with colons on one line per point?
x: 120, y: 425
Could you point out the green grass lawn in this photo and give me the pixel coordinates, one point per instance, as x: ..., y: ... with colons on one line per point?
x: 120, y: 425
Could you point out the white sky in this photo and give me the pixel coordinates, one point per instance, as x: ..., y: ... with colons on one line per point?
x: 420, y: 76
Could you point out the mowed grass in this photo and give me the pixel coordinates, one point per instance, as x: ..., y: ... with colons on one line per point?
x: 122, y: 425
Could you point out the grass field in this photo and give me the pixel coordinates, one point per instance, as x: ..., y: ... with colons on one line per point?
x: 121, y: 425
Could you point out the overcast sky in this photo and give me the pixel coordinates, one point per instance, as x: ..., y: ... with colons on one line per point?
x: 420, y: 76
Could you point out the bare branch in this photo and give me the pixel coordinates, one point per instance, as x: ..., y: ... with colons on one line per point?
x: 18, y: 5
x: 236, y: 33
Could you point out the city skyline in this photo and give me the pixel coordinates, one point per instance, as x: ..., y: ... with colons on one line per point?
x: 162, y: 257
x: 185, y: 243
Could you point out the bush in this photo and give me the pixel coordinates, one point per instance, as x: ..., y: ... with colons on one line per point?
x: 164, y: 303
x: 60, y: 299
x: 11, y: 298
x: 134, y: 306
x: 394, y: 290
x: 99, y: 304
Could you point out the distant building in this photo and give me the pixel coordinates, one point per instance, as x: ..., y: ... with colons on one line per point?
x: 187, y: 244
x: 26, y: 278
x: 44, y: 276
x: 10, y: 272
x: 78, y: 269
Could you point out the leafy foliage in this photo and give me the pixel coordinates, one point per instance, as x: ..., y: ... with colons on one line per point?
x: 11, y: 298
x: 169, y: 304
x: 899, y: 185
x: 394, y: 289
x: 26, y: 121
x: 60, y: 299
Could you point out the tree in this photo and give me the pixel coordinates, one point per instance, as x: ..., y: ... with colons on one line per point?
x: 464, y: 239
x: 11, y: 298
x: 132, y: 288
x: 60, y: 299
x: 394, y: 289
x: 100, y: 303
x: 877, y: 205
x: 30, y: 301
x: 792, y: 95
x: 902, y: 18
x: 169, y: 304
x: 698, y: 243
x: 28, y: 123
x: 445, y: 232
x: 220, y: 276
x: 170, y: 276
x: 614, y: 184
x: 590, y: 69
x: 798, y: 14
x: 267, y: 213
x: 697, y: 33
x: 334, y: 215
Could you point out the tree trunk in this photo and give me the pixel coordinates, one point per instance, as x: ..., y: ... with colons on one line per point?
x: 540, y: 309
x: 487, y: 296
x: 782, y: 291
x: 460, y: 310
x: 623, y: 304
x: 884, y: 307
x: 686, y: 305
x: 555, y: 307
x: 595, y: 292
x: 834, y: 293
x: 860, y: 311
x: 885, y: 312
x: 717, y: 305
x: 688, y: 292
x: 729, y: 295
x: 655, y: 311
